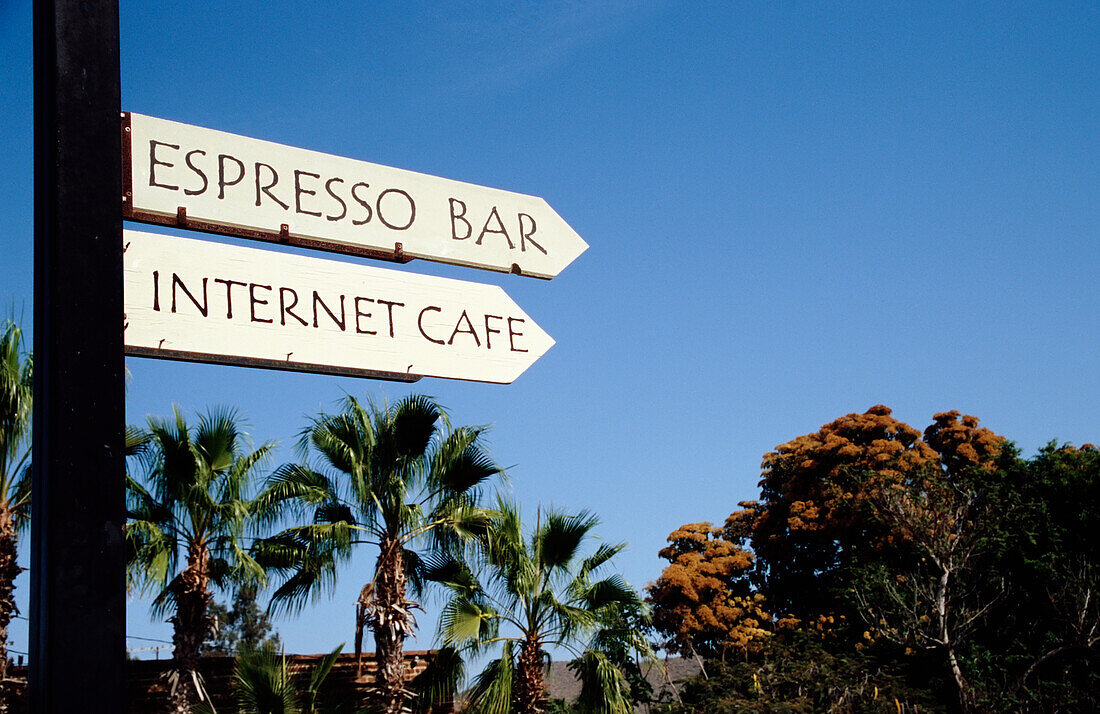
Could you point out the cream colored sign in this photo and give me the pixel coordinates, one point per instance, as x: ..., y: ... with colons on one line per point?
x: 203, y: 301
x: 255, y: 188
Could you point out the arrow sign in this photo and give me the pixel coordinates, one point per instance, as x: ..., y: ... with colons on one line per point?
x: 177, y: 174
x: 209, y: 302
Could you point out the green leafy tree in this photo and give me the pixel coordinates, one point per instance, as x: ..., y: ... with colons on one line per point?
x: 534, y: 593
x: 243, y: 626
x: 1040, y: 647
x: 15, y: 484
x: 389, y: 477
x: 189, y: 511
x: 798, y: 676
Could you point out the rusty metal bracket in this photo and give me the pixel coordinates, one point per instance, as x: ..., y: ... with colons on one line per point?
x: 127, y: 167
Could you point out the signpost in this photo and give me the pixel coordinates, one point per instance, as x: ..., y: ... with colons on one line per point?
x: 209, y: 302
x: 78, y: 585
x: 187, y: 176
x: 201, y: 301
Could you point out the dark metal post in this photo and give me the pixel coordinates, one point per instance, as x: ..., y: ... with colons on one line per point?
x: 77, y: 638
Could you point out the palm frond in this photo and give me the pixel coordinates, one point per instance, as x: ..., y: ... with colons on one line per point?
x: 602, y: 555
x: 413, y: 565
x: 15, y: 404
x: 151, y: 555
x: 492, y: 690
x: 456, y: 524
x: 438, y: 682
x: 604, y: 689
x: 263, y: 683
x: 289, y: 490
x: 165, y: 601
x: 451, y: 572
x: 342, y: 440
x: 21, y: 500
x: 239, y: 474
x: 137, y: 440
x: 216, y: 438
x: 556, y: 543
x: 306, y: 585
x: 611, y: 591
x: 413, y: 425
x: 504, y: 546
x: 572, y: 621
x: 465, y: 621
x: 460, y: 464
x: 308, y: 557
x: 334, y: 512
x: 321, y: 671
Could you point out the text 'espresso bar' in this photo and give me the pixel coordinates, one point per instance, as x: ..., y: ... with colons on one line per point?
x: 178, y: 174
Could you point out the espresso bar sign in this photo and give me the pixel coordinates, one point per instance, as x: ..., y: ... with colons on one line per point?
x: 209, y: 302
x: 177, y: 174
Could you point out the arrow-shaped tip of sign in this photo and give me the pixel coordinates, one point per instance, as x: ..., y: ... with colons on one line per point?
x: 529, y: 344
x: 567, y: 246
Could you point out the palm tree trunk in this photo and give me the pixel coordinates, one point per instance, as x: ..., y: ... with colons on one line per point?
x: 191, y: 625
x: 529, y: 690
x: 392, y: 621
x: 362, y: 608
x: 9, y: 570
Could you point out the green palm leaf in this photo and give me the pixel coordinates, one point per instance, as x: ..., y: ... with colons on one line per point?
x: 604, y: 689
x: 264, y: 685
x: 465, y: 621
x: 439, y: 681
x: 556, y: 544
x: 492, y: 690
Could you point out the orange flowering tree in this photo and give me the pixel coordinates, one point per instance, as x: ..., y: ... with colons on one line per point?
x: 813, y: 525
x: 703, y: 602
x: 942, y: 555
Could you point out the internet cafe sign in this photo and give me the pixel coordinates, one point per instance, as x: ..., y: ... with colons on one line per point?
x: 178, y: 174
x: 210, y: 302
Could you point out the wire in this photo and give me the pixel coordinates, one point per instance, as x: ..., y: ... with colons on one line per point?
x: 149, y: 639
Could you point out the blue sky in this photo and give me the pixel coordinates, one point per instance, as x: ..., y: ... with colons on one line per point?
x: 795, y: 211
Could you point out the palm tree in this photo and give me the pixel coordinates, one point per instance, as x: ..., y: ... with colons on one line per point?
x: 387, y: 476
x: 15, y: 484
x: 537, y: 593
x: 188, y: 518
